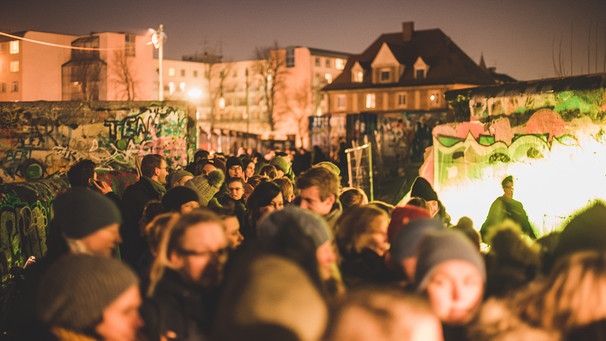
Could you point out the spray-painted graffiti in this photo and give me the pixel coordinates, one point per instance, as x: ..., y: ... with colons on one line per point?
x: 552, y: 143
x: 44, y: 138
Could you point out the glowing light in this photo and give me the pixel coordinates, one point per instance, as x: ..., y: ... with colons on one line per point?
x: 194, y: 93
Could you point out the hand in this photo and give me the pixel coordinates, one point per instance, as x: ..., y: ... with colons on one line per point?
x: 103, y: 187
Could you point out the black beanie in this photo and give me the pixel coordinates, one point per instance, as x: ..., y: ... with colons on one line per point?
x: 76, y: 289
x: 585, y: 231
x: 177, y: 196
x: 233, y: 161
x: 422, y: 189
x: 80, y: 212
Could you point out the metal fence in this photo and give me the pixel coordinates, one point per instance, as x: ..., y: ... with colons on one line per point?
x: 359, y: 168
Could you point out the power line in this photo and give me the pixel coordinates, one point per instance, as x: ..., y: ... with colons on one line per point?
x: 59, y: 45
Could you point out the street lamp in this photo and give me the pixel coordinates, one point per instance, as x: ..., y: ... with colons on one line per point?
x: 158, y: 38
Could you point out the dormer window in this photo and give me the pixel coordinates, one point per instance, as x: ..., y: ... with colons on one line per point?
x: 421, y: 69
x: 357, y: 73
x: 385, y: 75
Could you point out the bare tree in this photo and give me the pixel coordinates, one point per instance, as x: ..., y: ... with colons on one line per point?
x: 299, y: 106
x: 271, y: 66
x: 122, y: 76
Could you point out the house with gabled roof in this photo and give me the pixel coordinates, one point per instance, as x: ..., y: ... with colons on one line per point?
x: 393, y: 92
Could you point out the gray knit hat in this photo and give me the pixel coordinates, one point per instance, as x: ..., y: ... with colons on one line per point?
x: 312, y: 224
x: 178, y: 175
x: 207, y: 185
x: 80, y: 212
x: 438, y: 247
x: 406, y: 241
x: 76, y: 289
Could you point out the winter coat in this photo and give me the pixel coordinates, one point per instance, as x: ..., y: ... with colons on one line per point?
x: 365, y: 268
x: 178, y: 309
x: 134, y: 200
x: 506, y: 208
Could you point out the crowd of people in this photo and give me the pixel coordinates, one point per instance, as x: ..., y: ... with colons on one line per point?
x: 249, y: 247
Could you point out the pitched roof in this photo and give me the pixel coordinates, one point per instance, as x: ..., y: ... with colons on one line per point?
x: 448, y: 64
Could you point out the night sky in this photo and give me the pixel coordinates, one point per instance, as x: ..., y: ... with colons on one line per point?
x: 518, y: 37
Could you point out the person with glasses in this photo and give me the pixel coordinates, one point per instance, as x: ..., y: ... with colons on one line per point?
x: 185, y: 278
x: 505, y: 208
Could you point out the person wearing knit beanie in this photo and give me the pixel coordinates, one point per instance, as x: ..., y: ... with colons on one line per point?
x: 86, y: 295
x: 401, y: 216
x: 234, y: 167
x: 180, y: 199
x: 80, y: 214
x: 330, y: 166
x: 404, y: 246
x: 311, y: 224
x: 584, y: 232
x: 180, y: 177
x: 282, y: 165
x: 207, y: 185
x: 451, y: 272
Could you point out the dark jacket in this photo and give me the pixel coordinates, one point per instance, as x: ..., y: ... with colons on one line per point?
x: 134, y: 199
x: 365, y: 268
x: 179, y: 308
x: 506, y: 208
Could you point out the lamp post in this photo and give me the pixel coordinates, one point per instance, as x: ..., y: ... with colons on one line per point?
x: 247, y: 112
x: 158, y: 38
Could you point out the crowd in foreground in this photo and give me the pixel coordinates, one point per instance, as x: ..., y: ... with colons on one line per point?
x: 265, y: 247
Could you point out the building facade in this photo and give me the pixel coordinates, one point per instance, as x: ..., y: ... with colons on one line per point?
x: 392, y: 94
x: 104, y: 66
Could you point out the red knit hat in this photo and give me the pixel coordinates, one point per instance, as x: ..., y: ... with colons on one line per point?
x: 401, y: 216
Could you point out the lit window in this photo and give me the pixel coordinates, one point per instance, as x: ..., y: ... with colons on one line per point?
x: 14, y: 47
x: 401, y: 99
x: 328, y: 78
x: 182, y: 86
x: 370, y: 101
x: 341, y: 102
x: 171, y: 88
x: 171, y: 71
x: 339, y: 64
x: 358, y: 76
x: 15, y: 66
x: 434, y: 99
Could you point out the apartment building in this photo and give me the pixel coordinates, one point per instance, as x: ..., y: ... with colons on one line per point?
x: 105, y: 66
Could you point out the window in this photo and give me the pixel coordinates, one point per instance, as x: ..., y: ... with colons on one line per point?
x: 370, y: 101
x: 14, y: 66
x: 339, y: 64
x: 328, y: 78
x: 14, y: 47
x: 358, y: 76
x: 129, y: 44
x: 2, y: 87
x: 385, y: 75
x: 401, y: 99
x: 420, y: 74
x: 171, y: 88
x: 182, y: 86
x: 195, y: 73
x: 182, y: 72
x: 318, y: 61
x: 3, y: 48
x: 434, y: 99
x: 290, y: 57
x: 14, y: 86
x: 341, y: 102
x: 171, y: 71
x: 328, y: 62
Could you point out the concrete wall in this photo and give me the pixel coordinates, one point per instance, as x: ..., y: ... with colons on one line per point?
x: 38, y: 139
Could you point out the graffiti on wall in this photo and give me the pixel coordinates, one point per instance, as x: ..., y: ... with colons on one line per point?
x: 40, y: 139
x: 554, y: 146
